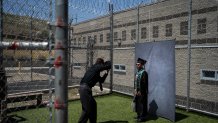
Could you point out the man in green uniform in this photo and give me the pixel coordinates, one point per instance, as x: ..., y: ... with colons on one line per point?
x: 141, y: 90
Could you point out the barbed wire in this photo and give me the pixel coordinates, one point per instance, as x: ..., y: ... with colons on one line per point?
x: 87, y: 9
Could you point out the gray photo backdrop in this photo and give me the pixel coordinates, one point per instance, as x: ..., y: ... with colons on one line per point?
x: 160, y: 67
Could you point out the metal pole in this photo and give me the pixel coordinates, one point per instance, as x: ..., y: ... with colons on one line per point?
x: 111, y: 45
x: 69, y: 50
x: 137, y: 40
x: 50, y: 67
x: 189, y: 53
x: 31, y: 52
x: 149, y: 26
x: 91, y: 51
x: 3, y: 80
x: 60, y: 63
x: 87, y: 53
x: 24, y: 45
x: 71, y: 57
x: 1, y: 33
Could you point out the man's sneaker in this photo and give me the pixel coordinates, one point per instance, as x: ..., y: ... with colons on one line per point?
x: 141, y: 120
x: 136, y: 117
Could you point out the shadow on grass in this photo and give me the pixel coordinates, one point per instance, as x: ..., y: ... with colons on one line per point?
x: 13, y: 119
x: 111, y: 121
x: 180, y: 116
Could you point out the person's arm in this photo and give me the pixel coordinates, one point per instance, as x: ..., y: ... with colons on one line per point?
x: 105, y: 66
x: 144, y: 83
x: 101, y: 67
x: 135, y: 85
x: 101, y: 87
x: 102, y: 79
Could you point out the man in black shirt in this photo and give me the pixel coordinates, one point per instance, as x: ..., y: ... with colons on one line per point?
x: 91, y: 77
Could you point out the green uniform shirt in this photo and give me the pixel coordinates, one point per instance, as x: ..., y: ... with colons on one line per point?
x: 138, y: 78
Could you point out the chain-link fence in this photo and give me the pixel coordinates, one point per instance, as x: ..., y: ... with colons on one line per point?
x: 27, y: 74
x: 24, y: 64
x: 196, y: 86
x: 83, y: 55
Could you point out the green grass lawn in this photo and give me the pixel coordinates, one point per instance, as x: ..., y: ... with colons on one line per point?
x: 114, y: 108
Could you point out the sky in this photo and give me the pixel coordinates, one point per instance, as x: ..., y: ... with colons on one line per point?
x: 79, y: 10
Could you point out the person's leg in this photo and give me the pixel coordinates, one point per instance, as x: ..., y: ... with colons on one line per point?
x: 145, y: 101
x: 93, y: 114
x: 144, y: 108
x: 138, y: 107
x: 85, y: 98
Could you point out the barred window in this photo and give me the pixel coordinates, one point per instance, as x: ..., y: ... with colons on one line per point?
x: 133, y: 34
x: 74, y: 40
x: 108, y: 37
x: 95, y: 39
x: 84, y: 40
x: 184, y: 28
x: 202, y: 26
x: 119, y: 67
x: 101, y: 38
x: 169, y: 30
x: 89, y: 39
x: 124, y: 35
x: 79, y: 41
x: 76, y: 65
x: 155, y: 31
x: 143, y: 33
x: 217, y: 24
x: 209, y: 74
x: 115, y: 36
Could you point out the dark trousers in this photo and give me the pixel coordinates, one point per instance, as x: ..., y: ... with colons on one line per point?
x: 141, y: 105
x: 89, y: 106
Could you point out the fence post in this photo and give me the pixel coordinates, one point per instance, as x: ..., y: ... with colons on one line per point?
x: 189, y: 53
x: 137, y: 40
x: 60, y: 63
x: 69, y: 49
x: 111, y: 45
x: 51, y: 68
x: 3, y: 79
x: 31, y: 39
x: 1, y: 33
x: 87, y: 54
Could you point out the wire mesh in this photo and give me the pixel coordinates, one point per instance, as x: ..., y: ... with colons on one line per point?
x: 163, y: 20
x: 27, y: 71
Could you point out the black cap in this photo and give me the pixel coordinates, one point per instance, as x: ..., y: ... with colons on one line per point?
x: 141, y: 61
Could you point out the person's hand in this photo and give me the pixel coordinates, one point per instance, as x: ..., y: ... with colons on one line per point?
x: 139, y: 93
x: 107, y: 71
x: 134, y: 92
x: 107, y: 62
x: 101, y: 89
